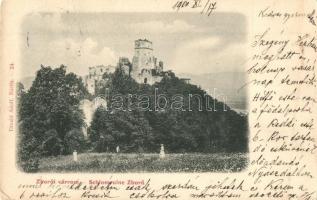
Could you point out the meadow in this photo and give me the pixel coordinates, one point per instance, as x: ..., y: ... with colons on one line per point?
x: 137, y: 163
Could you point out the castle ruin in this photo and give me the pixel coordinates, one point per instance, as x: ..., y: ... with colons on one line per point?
x: 145, y: 68
x: 95, y: 76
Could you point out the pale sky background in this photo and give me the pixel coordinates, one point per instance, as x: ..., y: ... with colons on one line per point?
x: 185, y: 42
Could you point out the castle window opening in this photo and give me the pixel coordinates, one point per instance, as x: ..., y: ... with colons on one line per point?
x: 145, y: 80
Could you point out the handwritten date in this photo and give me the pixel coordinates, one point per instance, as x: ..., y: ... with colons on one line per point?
x: 207, y: 6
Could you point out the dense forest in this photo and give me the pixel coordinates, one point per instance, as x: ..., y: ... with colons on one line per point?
x: 51, y: 121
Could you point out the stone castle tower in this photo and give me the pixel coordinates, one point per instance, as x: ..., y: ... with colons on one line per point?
x: 145, y: 68
x: 143, y: 55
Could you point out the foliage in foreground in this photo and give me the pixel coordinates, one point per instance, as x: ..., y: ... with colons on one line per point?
x: 49, y: 116
x: 180, y: 130
x: 109, y: 162
x: 50, y: 123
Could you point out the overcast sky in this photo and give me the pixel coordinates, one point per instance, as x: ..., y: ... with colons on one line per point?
x: 185, y: 42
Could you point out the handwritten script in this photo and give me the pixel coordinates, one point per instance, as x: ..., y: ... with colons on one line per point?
x: 205, y: 6
x: 282, y: 76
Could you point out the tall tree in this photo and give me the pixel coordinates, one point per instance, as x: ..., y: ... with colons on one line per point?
x: 52, y: 103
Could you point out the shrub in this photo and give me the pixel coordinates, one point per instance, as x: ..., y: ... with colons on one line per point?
x: 74, y: 140
x: 31, y: 164
x: 52, y: 145
x: 28, y: 155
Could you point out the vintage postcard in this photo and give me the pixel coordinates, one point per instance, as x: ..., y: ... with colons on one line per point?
x: 147, y: 99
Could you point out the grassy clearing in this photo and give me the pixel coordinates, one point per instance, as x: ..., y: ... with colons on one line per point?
x: 109, y: 162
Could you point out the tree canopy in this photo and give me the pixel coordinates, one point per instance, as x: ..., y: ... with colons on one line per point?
x: 49, y: 110
x: 138, y: 117
x: 186, y: 127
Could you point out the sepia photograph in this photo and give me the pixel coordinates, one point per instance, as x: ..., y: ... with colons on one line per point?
x: 147, y: 99
x: 132, y: 93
